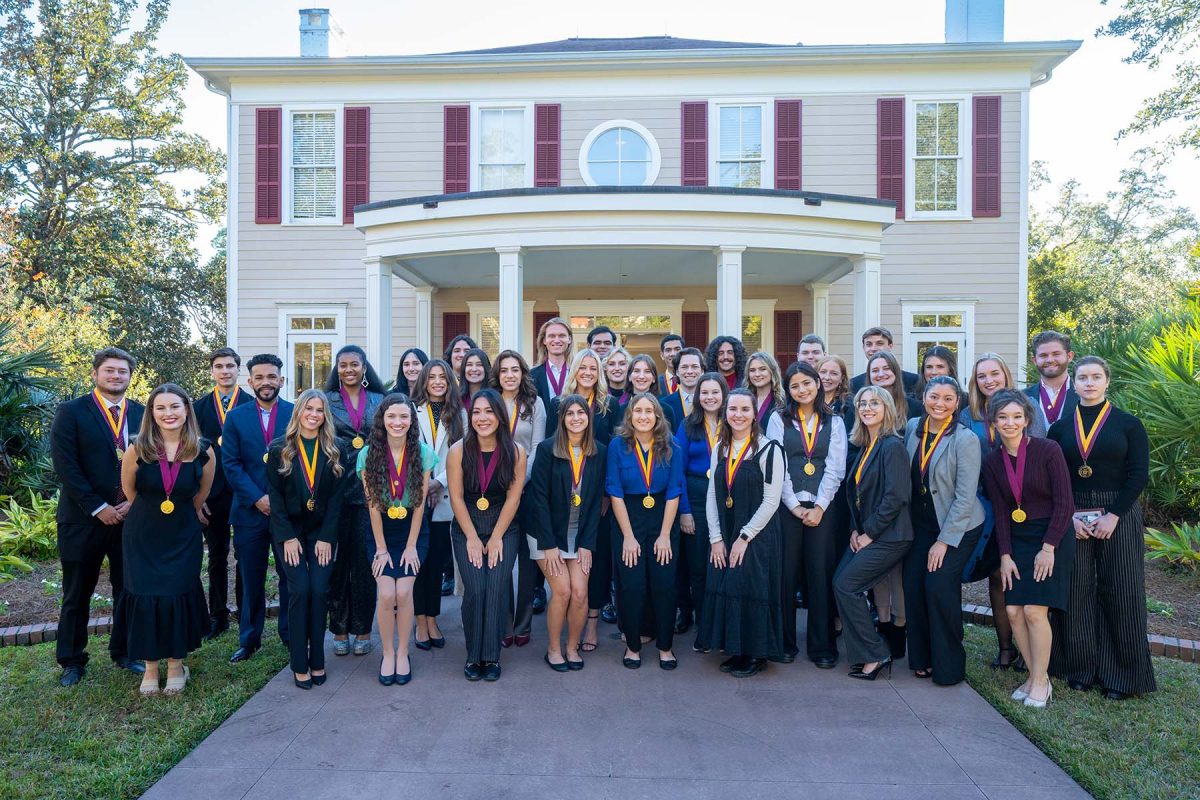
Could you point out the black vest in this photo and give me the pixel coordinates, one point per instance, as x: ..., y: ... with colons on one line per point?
x: 793, y: 449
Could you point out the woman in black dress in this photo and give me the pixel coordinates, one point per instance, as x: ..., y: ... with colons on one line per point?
x: 354, y: 393
x: 394, y: 469
x: 742, y: 612
x: 1101, y: 639
x: 307, y: 472
x: 166, y: 481
x: 565, y: 495
x: 1027, y: 481
x: 486, y: 471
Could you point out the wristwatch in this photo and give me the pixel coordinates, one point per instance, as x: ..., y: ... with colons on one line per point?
x: 745, y: 537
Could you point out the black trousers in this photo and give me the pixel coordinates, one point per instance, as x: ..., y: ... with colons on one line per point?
x: 352, y: 587
x: 427, y: 589
x: 856, y: 573
x: 83, y: 548
x: 255, y: 548
x: 646, y: 587
x: 933, y: 606
x: 218, y: 539
x: 694, y: 551
x: 308, y: 599
x: 601, y: 577
x: 810, y: 558
x: 521, y: 621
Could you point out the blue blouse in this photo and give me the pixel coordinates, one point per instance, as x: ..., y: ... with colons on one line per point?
x: 625, y: 473
x: 697, y: 457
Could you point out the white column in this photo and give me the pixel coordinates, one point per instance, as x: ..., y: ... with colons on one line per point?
x: 424, y: 317
x: 729, y: 290
x: 379, y: 313
x: 866, y: 301
x: 512, y: 297
x: 820, y: 320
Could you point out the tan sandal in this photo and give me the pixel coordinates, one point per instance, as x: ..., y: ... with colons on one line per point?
x: 175, y: 685
x: 149, y: 688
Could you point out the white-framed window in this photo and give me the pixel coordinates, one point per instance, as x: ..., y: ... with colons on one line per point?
x: 639, y: 324
x: 501, y: 146
x: 948, y: 322
x: 758, y: 324
x: 485, y: 326
x: 938, y: 144
x: 619, y: 152
x: 312, y: 174
x: 309, y: 335
x: 742, y: 143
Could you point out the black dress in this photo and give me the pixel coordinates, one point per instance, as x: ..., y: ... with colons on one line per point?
x: 742, y: 611
x: 164, y: 605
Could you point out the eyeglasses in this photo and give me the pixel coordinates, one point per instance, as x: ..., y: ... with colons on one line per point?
x: 870, y: 404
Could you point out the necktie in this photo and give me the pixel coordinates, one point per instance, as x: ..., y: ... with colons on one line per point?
x: 115, y: 413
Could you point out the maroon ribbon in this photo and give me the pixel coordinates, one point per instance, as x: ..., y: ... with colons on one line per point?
x: 118, y: 437
x: 1053, y: 410
x: 556, y: 385
x: 356, y: 414
x: 269, y: 429
x: 485, y: 472
x: 764, y: 409
x: 1016, y: 477
x: 398, y: 480
x: 169, y: 471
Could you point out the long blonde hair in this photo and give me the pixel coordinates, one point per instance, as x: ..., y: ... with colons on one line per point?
x: 776, y: 379
x: 542, y: 352
x: 149, y: 440
x: 600, y: 393
x: 975, y: 399
x: 325, y: 435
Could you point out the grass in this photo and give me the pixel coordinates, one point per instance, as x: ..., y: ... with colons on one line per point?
x: 1146, y: 748
x: 101, y: 739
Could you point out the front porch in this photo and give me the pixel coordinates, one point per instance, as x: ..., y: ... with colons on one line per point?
x: 646, y: 256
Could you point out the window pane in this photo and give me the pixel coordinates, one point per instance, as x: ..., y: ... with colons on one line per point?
x: 501, y: 136
x: 947, y: 184
x: 950, y: 320
x: 301, y: 323
x: 752, y: 332
x: 325, y: 323
x: 924, y: 184
x: 314, y: 192
x: 633, y: 146
x: 633, y: 174
x: 924, y: 320
x: 606, y: 173
x: 502, y: 176
x: 313, y: 138
x: 489, y: 334
x: 926, y: 129
x: 619, y: 157
x: 740, y: 132
x: 947, y: 129
x: 302, y: 366
x: 606, y: 147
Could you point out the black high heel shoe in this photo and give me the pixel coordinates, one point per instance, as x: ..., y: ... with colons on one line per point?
x: 302, y: 684
x: 873, y: 674
x: 387, y: 680
x: 319, y: 680
x: 1001, y: 663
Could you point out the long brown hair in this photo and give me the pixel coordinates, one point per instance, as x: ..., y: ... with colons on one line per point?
x: 661, y: 433
x: 726, y: 434
x: 562, y: 438
x: 975, y: 398
x: 643, y: 359
x: 326, y: 438
x: 896, y: 390
x: 375, y: 472
x: 527, y: 393
x: 451, y: 416
x: 149, y: 440
x: 506, y: 446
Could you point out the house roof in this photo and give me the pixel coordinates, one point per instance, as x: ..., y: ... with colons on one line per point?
x: 577, y: 44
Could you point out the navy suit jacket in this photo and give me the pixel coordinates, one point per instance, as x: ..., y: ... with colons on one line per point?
x: 242, y: 456
x: 542, y: 382
x: 211, y: 430
x: 1069, y: 403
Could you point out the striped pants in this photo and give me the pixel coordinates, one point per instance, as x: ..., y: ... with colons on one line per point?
x: 487, y: 595
x: 1101, y: 638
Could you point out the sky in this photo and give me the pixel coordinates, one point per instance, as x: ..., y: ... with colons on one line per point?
x: 1074, y: 119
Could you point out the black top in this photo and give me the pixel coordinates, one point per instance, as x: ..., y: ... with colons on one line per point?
x: 924, y: 515
x: 290, y: 515
x: 603, y: 425
x: 879, y: 502
x: 1120, y: 457
x: 549, y: 496
x: 860, y: 380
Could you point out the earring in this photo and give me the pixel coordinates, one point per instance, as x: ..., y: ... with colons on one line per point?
x: 365, y: 383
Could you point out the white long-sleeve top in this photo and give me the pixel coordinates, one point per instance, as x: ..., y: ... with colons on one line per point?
x: 835, y: 461
x: 772, y: 489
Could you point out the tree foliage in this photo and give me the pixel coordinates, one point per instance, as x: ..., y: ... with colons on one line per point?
x: 106, y: 189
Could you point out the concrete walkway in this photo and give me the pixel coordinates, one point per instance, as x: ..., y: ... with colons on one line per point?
x: 608, y: 732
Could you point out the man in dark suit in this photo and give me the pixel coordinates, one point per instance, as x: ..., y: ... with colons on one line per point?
x: 669, y: 348
x: 553, y: 359
x: 88, y: 439
x: 1053, y: 395
x: 247, y: 434
x: 211, y: 409
x: 601, y: 340
x: 874, y: 340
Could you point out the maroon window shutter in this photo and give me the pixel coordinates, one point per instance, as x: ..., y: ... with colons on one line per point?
x: 787, y: 337
x: 890, y: 152
x: 540, y: 318
x: 268, y: 123
x: 454, y: 323
x: 695, y: 329
x: 787, y: 144
x: 456, y: 138
x: 356, y: 167
x: 693, y: 166
x: 986, y: 155
x: 547, y: 144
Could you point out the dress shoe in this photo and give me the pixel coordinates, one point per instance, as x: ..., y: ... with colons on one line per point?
x: 72, y: 675
x: 668, y: 663
x: 522, y: 639
x: 539, y: 601
x: 631, y: 663
x: 1078, y: 686
x: 438, y: 641
x: 1112, y: 694
x: 752, y: 666
x: 319, y: 680
x: 825, y: 662
x: 401, y: 680
x: 786, y: 658
x: 473, y: 672
x: 732, y: 663
x: 447, y: 586
x: 423, y: 644
x: 491, y: 671
x: 559, y: 667
x: 574, y: 666
x: 506, y: 642
x: 863, y: 675
x: 1031, y: 702
x: 242, y: 654
x: 609, y: 613
x: 136, y: 667
x: 307, y: 683
x: 218, y: 627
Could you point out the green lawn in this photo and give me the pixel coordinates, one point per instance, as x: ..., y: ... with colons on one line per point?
x: 101, y: 739
x: 1139, y: 748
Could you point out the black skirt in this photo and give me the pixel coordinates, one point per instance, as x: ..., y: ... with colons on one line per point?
x: 395, y: 537
x: 1055, y: 591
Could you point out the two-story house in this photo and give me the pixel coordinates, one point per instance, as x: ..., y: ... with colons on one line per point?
x: 652, y: 184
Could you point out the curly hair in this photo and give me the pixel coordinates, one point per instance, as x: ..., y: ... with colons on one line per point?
x: 739, y: 355
x: 376, y: 475
x: 661, y: 433
x: 527, y: 393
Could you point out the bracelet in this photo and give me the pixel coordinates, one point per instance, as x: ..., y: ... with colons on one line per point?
x: 381, y: 555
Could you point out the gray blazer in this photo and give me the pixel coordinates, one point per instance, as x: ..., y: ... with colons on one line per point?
x: 953, y: 480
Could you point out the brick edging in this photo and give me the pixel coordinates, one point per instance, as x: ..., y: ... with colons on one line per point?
x: 48, y: 632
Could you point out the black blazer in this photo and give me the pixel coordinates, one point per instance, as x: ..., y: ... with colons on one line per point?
x: 860, y: 380
x: 603, y: 425
x: 1070, y: 402
x: 290, y: 517
x: 210, y: 429
x: 542, y: 382
x: 549, y: 497
x: 81, y: 446
x: 879, y: 504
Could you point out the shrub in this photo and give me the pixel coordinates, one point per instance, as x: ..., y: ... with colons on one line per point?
x: 1179, y: 546
x: 29, y: 532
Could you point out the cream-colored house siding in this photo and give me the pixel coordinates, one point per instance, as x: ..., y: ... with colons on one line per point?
x: 660, y: 117
x: 838, y: 144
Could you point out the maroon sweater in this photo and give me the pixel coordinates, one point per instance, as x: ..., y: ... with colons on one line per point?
x: 1046, y: 493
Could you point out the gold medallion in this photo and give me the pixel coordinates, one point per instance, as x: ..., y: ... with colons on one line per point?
x: 1085, y: 471
x: 358, y: 442
x: 729, y: 502
x: 647, y: 502
x: 924, y: 489
x: 264, y: 458
x: 810, y: 469
x: 311, y: 505
x: 220, y: 441
x: 482, y: 504
x: 166, y: 506
x: 1018, y: 515
x: 708, y: 473
x: 576, y: 500
x: 397, y: 512
x: 120, y: 454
